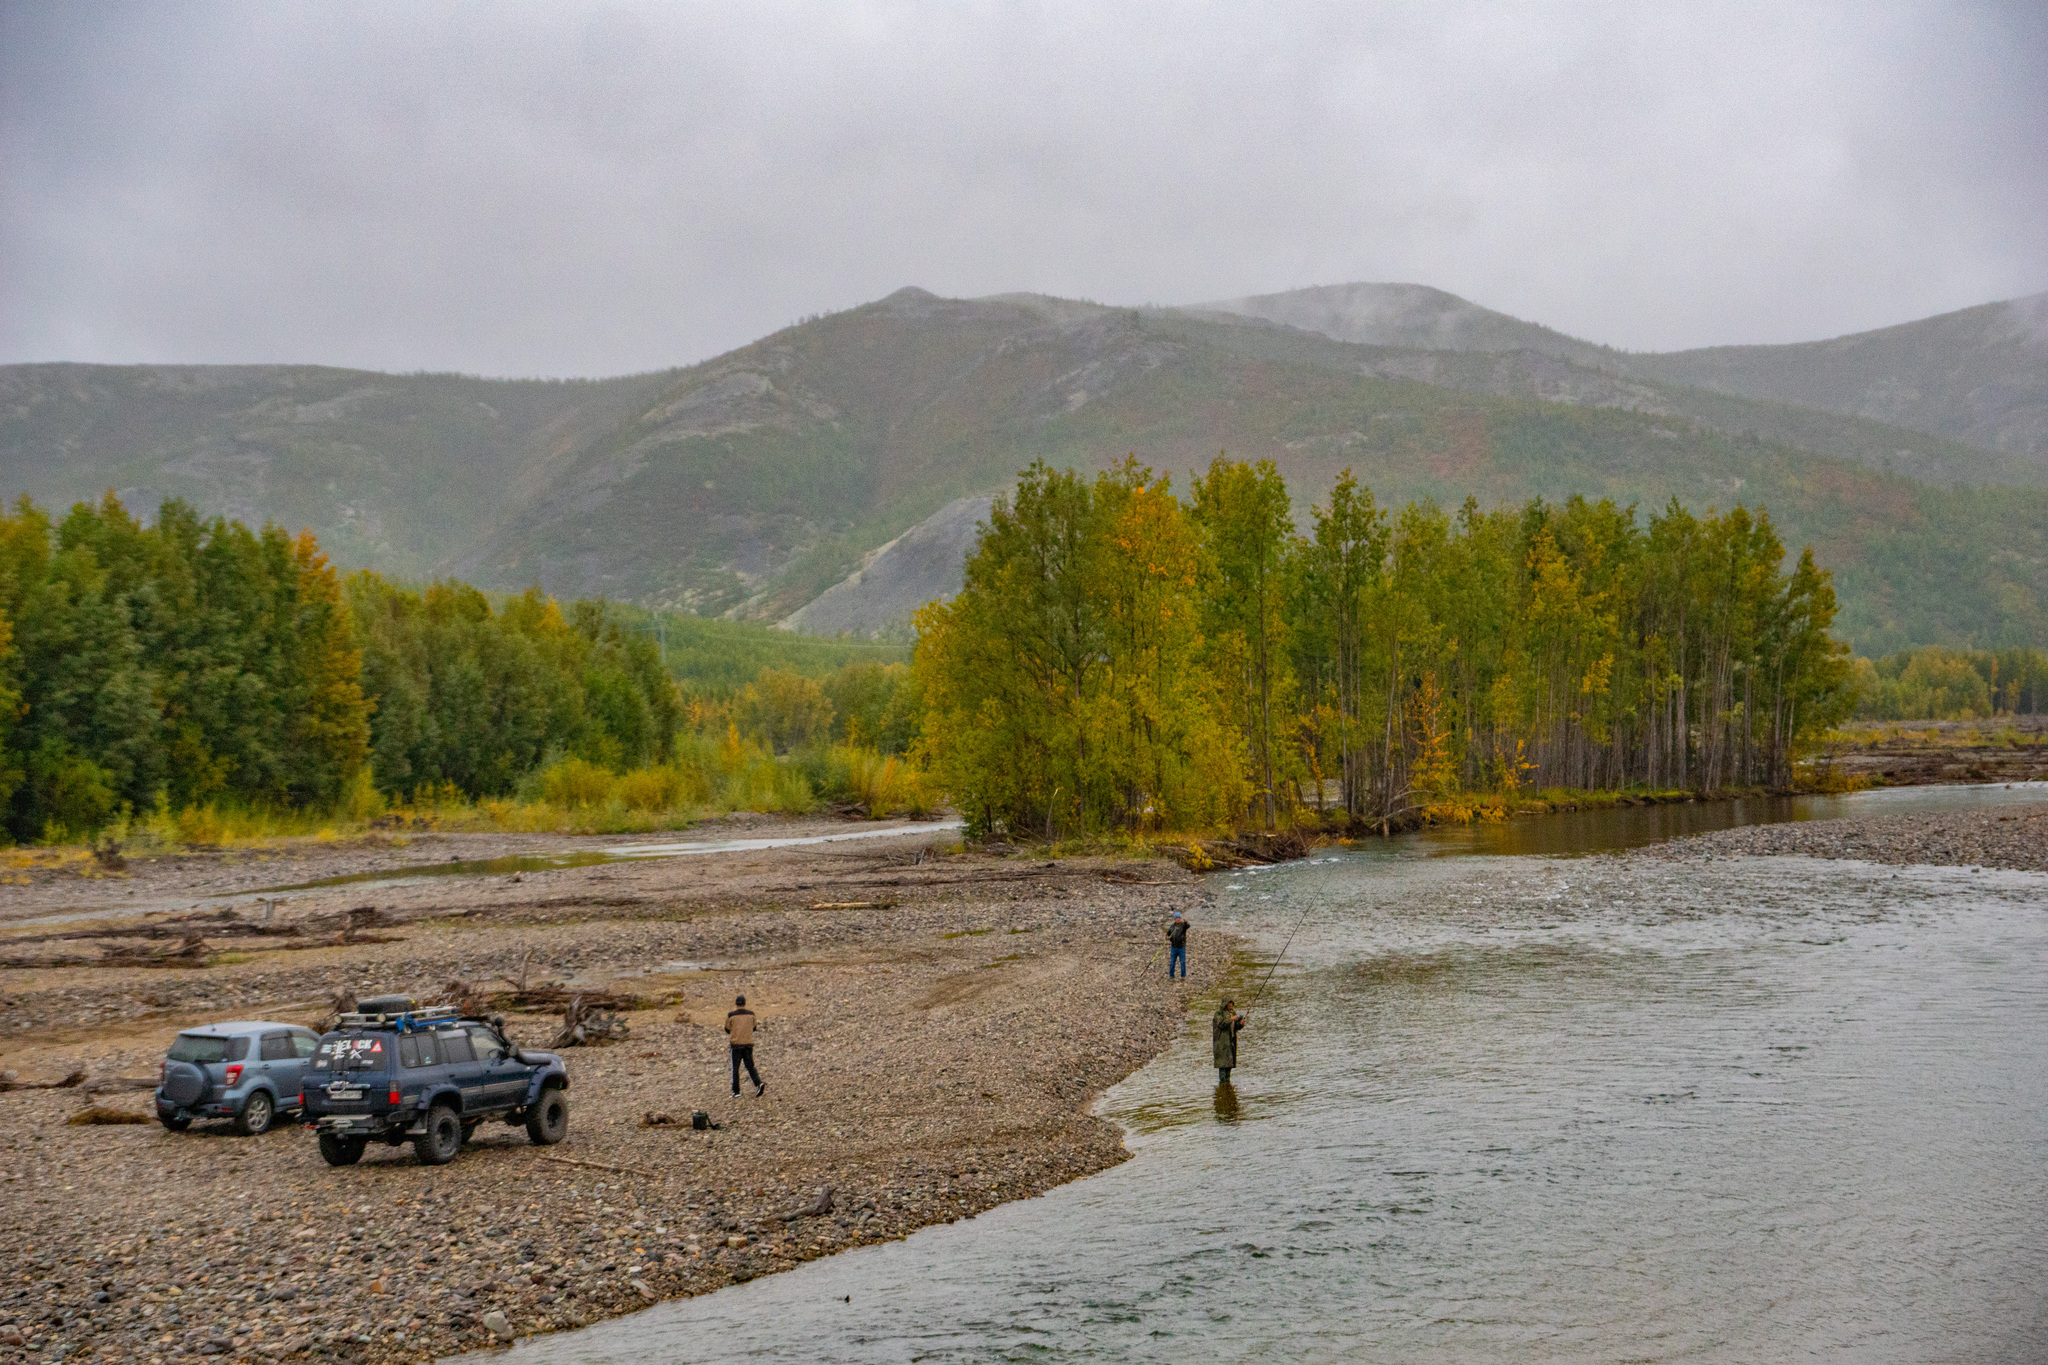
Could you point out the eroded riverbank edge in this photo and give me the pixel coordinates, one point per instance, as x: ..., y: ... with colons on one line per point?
x: 936, y: 1027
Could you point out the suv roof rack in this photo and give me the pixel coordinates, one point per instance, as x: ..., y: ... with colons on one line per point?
x: 406, y: 1018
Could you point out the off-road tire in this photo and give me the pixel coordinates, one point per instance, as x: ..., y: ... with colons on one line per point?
x: 172, y: 1122
x: 438, y: 1145
x: 547, y: 1122
x: 259, y: 1111
x: 341, y: 1151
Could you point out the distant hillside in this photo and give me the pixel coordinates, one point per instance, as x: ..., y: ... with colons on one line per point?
x: 1554, y: 379
x: 753, y: 483
x: 1978, y: 376
x: 392, y: 471
x: 1410, y: 316
x: 1912, y: 562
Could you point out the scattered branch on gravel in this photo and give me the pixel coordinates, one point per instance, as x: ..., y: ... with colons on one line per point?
x: 598, y: 1165
x: 853, y: 905
x: 165, y: 930
x: 108, y: 1085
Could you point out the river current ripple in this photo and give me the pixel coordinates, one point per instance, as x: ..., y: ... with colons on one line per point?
x: 1525, y: 1108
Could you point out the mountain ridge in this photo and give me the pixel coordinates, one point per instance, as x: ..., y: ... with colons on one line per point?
x: 751, y: 483
x: 1976, y: 375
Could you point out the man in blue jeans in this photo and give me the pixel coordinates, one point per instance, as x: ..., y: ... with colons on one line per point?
x: 1177, y: 939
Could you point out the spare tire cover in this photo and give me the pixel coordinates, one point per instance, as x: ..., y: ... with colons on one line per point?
x: 184, y: 1083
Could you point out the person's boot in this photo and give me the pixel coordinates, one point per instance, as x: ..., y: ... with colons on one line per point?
x: 760, y: 1089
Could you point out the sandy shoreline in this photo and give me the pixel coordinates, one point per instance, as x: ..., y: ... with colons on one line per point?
x: 932, y: 1039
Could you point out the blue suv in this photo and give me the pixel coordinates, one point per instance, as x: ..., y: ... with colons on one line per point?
x: 247, y: 1071
x: 392, y: 1072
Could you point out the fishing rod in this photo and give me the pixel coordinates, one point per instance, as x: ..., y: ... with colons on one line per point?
x: 1313, y: 907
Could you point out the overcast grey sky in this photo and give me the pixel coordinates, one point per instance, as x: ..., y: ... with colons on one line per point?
x: 594, y: 189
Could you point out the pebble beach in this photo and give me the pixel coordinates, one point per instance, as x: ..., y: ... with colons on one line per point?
x: 931, y: 1050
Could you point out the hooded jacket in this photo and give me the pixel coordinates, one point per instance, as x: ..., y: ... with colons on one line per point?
x: 1223, y: 1027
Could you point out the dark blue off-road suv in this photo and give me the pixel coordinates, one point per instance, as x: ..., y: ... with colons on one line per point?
x: 391, y: 1072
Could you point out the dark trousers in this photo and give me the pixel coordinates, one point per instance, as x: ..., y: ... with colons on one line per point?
x: 743, y: 1053
x: 1177, y: 953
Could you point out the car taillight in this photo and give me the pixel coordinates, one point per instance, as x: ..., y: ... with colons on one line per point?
x: 302, y: 1099
x: 234, y: 1074
x: 160, y: 1072
x: 394, y: 1097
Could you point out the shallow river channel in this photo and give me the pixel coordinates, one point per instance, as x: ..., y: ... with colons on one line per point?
x: 1498, y: 1104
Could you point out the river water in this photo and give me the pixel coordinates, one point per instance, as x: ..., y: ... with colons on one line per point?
x: 1504, y: 1106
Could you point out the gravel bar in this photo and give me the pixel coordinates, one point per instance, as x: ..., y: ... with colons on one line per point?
x: 934, y: 1028
x: 2013, y: 837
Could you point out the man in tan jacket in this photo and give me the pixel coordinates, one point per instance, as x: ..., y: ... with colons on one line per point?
x: 739, y: 1027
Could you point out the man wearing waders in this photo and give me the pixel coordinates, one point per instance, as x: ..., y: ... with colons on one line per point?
x: 1177, y: 941
x: 1224, y: 1027
x: 739, y: 1026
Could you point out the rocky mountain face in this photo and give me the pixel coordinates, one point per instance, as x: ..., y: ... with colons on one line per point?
x: 830, y: 475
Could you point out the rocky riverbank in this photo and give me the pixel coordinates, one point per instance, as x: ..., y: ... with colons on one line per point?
x: 935, y: 1024
x: 2014, y: 837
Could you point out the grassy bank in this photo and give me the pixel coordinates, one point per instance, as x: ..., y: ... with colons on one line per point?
x: 569, y: 796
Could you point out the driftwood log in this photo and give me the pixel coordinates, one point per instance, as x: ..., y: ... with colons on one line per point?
x: 188, y: 952
x: 11, y: 1081
x: 817, y: 1208
x: 148, y: 945
x: 586, y: 1025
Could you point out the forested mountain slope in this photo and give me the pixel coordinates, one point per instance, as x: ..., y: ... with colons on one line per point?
x: 751, y: 483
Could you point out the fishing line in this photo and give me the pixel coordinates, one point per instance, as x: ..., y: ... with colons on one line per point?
x: 1313, y: 907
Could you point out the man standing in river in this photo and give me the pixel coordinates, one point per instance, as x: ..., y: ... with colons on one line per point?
x: 739, y: 1027
x: 1177, y: 943
x: 1224, y: 1027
